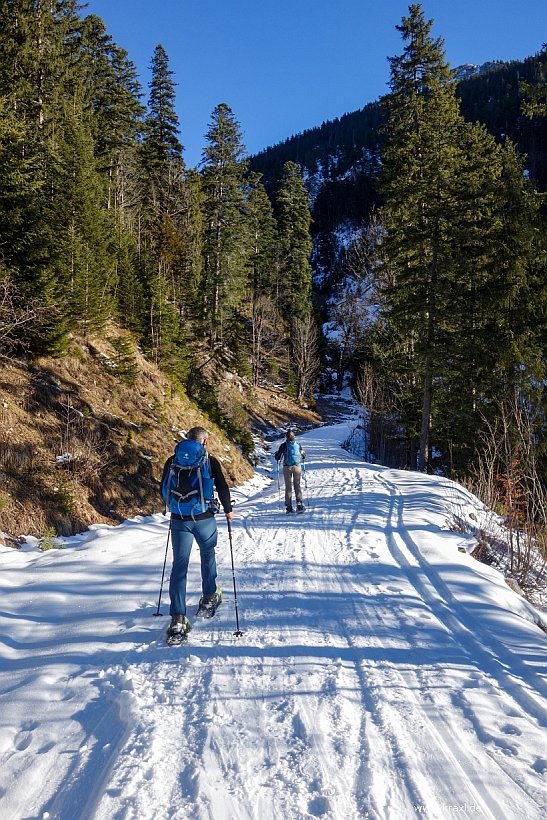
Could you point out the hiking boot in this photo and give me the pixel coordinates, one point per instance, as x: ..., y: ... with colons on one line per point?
x: 208, y: 604
x: 300, y: 507
x: 179, y: 627
x: 289, y: 508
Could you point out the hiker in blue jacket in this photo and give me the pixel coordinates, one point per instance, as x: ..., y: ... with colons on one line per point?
x: 293, y: 455
x: 197, y: 523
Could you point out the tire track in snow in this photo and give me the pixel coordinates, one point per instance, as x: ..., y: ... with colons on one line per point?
x: 313, y: 713
x: 455, y: 621
x: 308, y: 721
x: 422, y: 791
x: 458, y: 622
x: 380, y: 789
x: 385, y: 786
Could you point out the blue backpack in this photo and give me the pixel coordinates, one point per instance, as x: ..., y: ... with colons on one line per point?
x: 188, y: 487
x: 292, y: 454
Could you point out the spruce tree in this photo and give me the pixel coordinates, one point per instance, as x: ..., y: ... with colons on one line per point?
x: 294, y: 221
x: 225, y: 241
x: 85, y: 264
x: 261, y: 282
x: 535, y: 95
x: 452, y: 256
x: 162, y: 149
x: 294, y: 271
x: 418, y: 163
x: 161, y: 243
x: 111, y: 92
x: 38, y: 42
x: 192, y: 228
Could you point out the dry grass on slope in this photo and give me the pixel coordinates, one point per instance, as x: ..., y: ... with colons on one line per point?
x: 80, y: 445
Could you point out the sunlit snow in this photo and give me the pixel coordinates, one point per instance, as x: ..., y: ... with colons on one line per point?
x: 382, y: 673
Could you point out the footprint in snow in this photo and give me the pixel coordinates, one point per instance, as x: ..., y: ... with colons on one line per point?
x: 23, y: 741
x: 319, y: 806
x: 510, y: 729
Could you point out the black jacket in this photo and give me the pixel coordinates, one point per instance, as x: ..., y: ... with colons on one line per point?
x: 221, y: 487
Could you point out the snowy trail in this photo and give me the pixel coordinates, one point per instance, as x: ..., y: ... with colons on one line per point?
x: 382, y: 672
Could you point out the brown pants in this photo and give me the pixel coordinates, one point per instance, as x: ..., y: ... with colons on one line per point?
x: 292, y: 474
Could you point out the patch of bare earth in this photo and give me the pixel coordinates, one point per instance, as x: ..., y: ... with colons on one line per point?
x: 79, y: 446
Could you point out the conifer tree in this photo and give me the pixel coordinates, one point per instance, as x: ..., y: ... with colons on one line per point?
x: 225, y: 241
x: 262, y: 267
x: 535, y: 96
x: 294, y: 221
x: 37, y: 46
x: 162, y: 149
x: 85, y: 265
x: 294, y: 272
x: 452, y: 255
x: 419, y: 162
x: 130, y: 294
x: 161, y: 243
x: 111, y: 91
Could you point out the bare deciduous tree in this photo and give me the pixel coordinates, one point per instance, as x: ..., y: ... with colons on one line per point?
x: 379, y: 405
x: 15, y: 317
x: 263, y: 317
x: 356, y: 297
x: 507, y: 479
x: 305, y: 350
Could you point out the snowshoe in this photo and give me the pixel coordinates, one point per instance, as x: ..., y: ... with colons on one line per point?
x: 289, y: 509
x: 177, y: 631
x: 209, y: 604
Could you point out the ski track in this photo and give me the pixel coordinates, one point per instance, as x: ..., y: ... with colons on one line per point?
x: 361, y: 688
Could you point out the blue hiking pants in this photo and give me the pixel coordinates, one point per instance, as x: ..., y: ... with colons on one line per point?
x: 183, y: 533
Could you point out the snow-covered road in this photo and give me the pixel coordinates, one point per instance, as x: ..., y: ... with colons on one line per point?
x: 382, y: 673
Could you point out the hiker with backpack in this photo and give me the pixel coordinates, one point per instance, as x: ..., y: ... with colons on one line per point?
x: 189, y: 479
x: 293, y: 455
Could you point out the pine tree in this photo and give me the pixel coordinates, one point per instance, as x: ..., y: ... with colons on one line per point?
x: 162, y: 149
x: 294, y: 220
x: 447, y: 196
x: 225, y: 241
x: 161, y: 243
x: 86, y: 269
x: 262, y: 266
x: 294, y: 272
x: 37, y: 46
x: 535, y: 95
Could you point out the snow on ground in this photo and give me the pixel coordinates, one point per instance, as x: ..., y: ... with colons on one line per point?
x: 382, y: 673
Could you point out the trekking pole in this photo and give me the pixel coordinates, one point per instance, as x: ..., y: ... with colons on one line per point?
x: 163, y: 571
x: 306, y: 485
x: 238, y: 632
x: 278, y: 484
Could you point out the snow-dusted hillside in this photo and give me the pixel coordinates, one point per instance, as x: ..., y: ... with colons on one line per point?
x: 383, y: 672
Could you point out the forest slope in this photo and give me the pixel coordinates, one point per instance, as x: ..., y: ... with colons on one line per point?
x: 82, y: 440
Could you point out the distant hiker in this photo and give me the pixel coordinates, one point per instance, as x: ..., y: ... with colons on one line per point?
x: 293, y: 455
x: 189, y: 479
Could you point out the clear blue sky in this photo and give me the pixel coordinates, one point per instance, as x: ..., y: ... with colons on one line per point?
x: 287, y: 65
